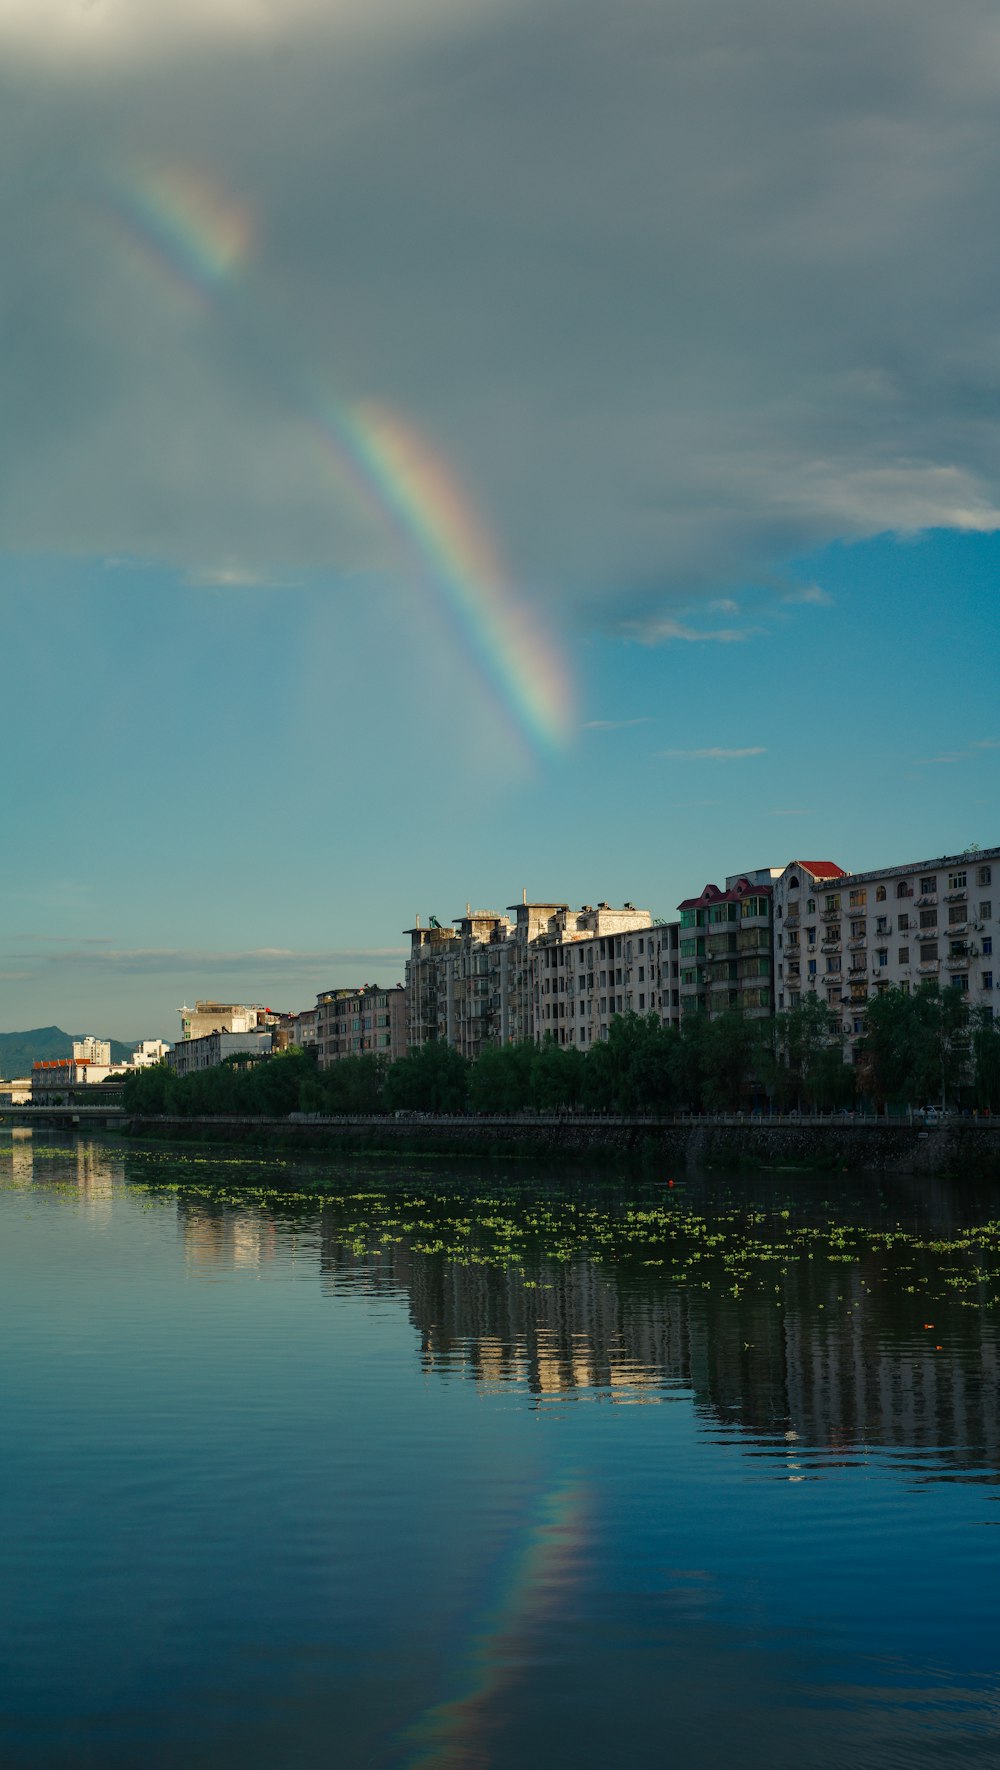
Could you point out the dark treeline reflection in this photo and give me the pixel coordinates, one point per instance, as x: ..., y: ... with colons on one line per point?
x: 819, y: 1329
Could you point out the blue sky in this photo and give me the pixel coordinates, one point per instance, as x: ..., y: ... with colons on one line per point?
x: 371, y: 373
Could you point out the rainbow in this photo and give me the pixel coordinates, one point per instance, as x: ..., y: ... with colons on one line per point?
x: 199, y: 238
x: 194, y: 231
x: 408, y: 487
x: 533, y: 1582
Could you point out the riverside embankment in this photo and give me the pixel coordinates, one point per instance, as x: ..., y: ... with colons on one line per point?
x: 953, y: 1147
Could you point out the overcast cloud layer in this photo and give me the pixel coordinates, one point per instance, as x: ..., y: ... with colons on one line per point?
x: 687, y: 288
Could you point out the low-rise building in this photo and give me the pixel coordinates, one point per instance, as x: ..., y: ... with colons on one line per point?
x: 235, y: 1017
x: 147, y: 1053
x: 54, y: 1078
x: 212, y: 1048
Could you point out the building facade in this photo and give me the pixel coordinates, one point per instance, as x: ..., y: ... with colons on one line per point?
x: 726, y: 947
x: 904, y: 927
x: 361, y: 1022
x: 212, y: 1048
x: 91, y: 1050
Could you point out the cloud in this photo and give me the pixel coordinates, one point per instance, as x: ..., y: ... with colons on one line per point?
x: 660, y: 629
x: 614, y: 724
x: 713, y: 755
x: 164, y: 961
x: 673, y: 285
x: 724, y: 605
x: 986, y: 744
x: 810, y: 593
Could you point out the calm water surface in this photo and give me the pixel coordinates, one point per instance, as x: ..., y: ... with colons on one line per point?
x: 370, y: 1466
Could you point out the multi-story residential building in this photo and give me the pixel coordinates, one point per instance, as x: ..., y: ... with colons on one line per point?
x: 234, y: 1017
x: 91, y: 1050
x: 426, y: 1006
x: 587, y: 966
x: 726, y: 956
x: 304, y: 1028
x: 926, y: 922
x: 809, y: 953
x: 360, y: 1022
x: 212, y: 1048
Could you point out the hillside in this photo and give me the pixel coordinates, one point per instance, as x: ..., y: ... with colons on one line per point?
x: 19, y: 1050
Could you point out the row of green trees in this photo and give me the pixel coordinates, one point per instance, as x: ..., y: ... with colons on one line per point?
x: 916, y: 1050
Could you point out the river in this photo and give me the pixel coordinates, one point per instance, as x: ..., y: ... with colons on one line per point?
x: 396, y: 1464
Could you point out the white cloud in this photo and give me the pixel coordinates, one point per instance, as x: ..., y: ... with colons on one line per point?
x: 715, y: 754
x: 661, y: 629
x: 614, y: 724
x: 810, y: 593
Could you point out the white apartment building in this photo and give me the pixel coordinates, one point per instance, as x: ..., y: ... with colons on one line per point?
x: 930, y: 921
x: 211, y: 1049
x: 148, y: 1052
x: 91, y: 1050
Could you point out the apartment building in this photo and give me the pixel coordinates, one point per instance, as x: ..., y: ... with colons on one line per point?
x: 361, y: 1022
x: 587, y: 966
x: 233, y: 1017
x: 426, y: 1007
x: 926, y: 922
x: 212, y: 1048
x: 808, y: 950
x: 471, y: 984
x: 726, y: 946
x: 91, y: 1050
x: 52, y: 1078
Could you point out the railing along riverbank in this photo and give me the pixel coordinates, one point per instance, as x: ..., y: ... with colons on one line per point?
x: 945, y: 1146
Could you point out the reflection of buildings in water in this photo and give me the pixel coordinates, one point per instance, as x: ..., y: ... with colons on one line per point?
x: 97, y: 1172
x: 22, y: 1155
x: 834, y: 1368
x: 226, y: 1237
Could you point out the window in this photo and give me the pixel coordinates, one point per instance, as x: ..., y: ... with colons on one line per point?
x: 857, y: 929
x: 810, y: 906
x: 986, y: 912
x: 881, y: 925
x: 903, y: 922
x: 957, y: 912
x: 642, y: 1000
x: 928, y: 887
x: 859, y: 1025
x: 928, y: 951
x: 812, y: 967
x: 811, y: 936
x: 987, y: 946
x: 983, y: 876
x: 904, y: 955
x: 882, y: 956
x: 833, y: 962
x: 858, y: 901
x: 903, y: 890
x: 642, y: 973
x: 960, y: 981
x: 928, y: 918
x: 833, y: 932
x: 833, y: 900
x: 987, y: 980
x: 642, y: 946
x: 956, y: 881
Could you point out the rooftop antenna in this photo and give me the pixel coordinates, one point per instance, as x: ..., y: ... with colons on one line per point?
x: 524, y: 893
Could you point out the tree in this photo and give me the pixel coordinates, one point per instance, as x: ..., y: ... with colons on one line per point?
x: 986, y: 1056
x: 434, y: 1078
x: 501, y: 1078
x: 916, y: 1047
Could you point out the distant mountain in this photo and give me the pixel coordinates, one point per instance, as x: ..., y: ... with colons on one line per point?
x: 19, y: 1050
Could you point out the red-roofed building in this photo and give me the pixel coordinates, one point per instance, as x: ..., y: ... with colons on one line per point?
x: 809, y: 952
x: 726, y: 957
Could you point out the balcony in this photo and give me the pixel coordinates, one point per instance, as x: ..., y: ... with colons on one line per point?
x: 831, y: 946
x: 928, y: 967
x: 929, y: 902
x: 957, y: 928
x: 831, y: 915
x: 859, y: 970
x: 961, y: 961
x: 858, y: 944
x: 955, y: 896
x: 791, y: 921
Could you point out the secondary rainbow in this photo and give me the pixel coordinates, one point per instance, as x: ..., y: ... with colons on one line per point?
x: 195, y: 232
